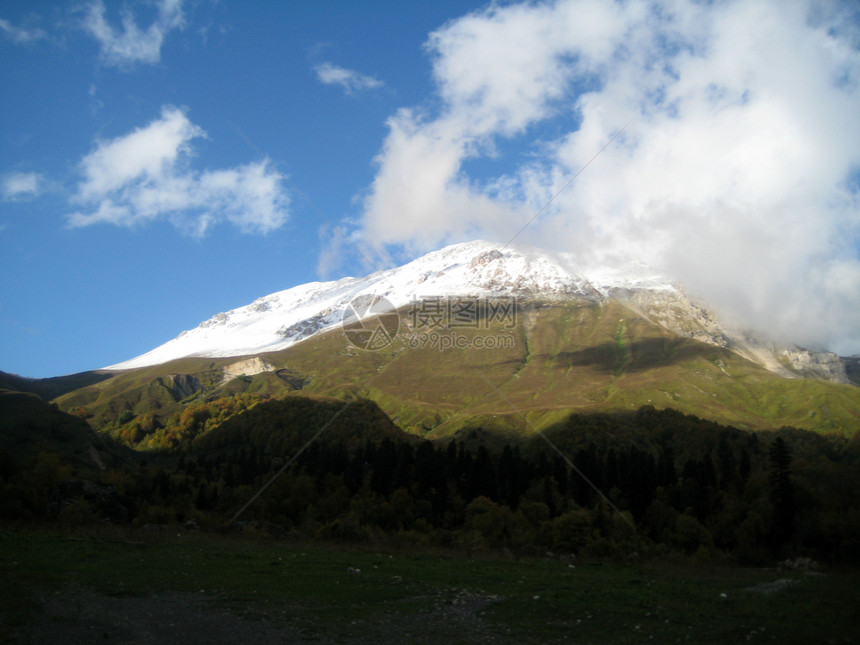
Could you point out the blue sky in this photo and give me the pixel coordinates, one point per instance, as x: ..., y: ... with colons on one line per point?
x: 150, y: 151
x: 77, y: 298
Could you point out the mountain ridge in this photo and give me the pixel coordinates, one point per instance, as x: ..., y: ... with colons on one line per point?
x: 563, y: 357
x: 483, y: 269
x: 476, y: 268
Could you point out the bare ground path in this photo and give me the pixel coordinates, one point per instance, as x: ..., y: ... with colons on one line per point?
x: 81, y: 616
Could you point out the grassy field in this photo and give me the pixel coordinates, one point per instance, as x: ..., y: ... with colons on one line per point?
x: 68, y: 586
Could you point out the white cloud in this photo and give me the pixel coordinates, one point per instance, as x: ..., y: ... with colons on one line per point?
x: 131, y: 44
x: 734, y: 174
x: 19, y: 186
x: 350, y: 80
x: 21, y: 35
x: 146, y: 175
x: 152, y: 151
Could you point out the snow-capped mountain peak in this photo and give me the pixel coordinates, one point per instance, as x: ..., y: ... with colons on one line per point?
x: 476, y: 268
x: 484, y: 270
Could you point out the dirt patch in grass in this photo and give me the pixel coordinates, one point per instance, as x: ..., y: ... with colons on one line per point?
x: 78, y: 615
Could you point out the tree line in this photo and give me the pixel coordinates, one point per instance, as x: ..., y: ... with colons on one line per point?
x: 647, y: 482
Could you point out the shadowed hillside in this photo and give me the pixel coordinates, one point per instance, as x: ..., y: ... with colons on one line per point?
x: 51, y: 388
x: 29, y: 426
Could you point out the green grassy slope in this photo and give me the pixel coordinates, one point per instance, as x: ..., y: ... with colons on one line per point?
x: 560, y: 358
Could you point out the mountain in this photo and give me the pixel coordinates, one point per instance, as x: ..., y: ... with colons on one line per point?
x: 494, y: 348
x: 50, y: 388
x: 484, y: 270
x: 475, y: 335
x: 280, y: 320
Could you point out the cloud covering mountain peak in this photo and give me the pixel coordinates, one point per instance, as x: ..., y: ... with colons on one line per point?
x: 736, y: 172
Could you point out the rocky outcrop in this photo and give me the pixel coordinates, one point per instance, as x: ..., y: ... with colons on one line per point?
x: 823, y: 365
x: 680, y: 315
x: 676, y: 312
x: 310, y: 326
x: 182, y: 385
x: 248, y: 367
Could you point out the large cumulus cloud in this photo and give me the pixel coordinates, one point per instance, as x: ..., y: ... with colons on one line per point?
x: 737, y: 172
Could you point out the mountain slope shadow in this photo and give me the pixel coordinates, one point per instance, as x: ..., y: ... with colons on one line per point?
x: 637, y: 356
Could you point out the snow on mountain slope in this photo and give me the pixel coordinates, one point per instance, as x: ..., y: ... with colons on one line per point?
x: 477, y: 268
